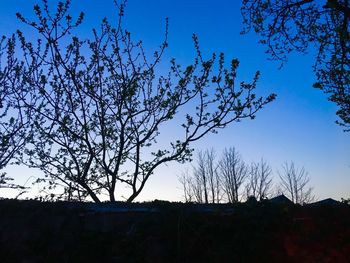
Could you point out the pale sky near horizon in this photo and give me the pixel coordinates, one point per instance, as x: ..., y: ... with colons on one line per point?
x: 299, y: 126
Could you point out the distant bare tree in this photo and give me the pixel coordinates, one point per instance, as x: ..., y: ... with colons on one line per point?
x: 186, y: 182
x: 214, y: 181
x: 200, y: 179
x: 203, y: 186
x: 260, y: 180
x: 193, y: 187
x: 233, y: 173
x: 295, y: 184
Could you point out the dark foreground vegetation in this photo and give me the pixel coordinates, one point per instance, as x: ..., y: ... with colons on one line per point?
x: 33, y: 231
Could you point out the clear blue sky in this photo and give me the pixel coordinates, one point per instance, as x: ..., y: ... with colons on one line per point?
x: 299, y: 126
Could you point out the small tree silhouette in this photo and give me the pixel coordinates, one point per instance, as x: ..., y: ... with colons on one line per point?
x: 295, y: 184
x: 260, y: 181
x: 204, y: 184
x: 233, y: 173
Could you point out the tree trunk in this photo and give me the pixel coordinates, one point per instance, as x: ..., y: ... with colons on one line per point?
x: 91, y: 193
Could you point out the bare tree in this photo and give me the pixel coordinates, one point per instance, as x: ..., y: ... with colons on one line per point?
x: 295, y: 184
x: 204, y: 183
x: 200, y: 184
x: 233, y: 173
x: 214, y: 182
x: 187, y: 186
x: 100, y: 106
x: 260, y: 180
x: 194, y: 186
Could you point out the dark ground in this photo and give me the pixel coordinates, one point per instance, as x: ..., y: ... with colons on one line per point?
x: 32, y: 231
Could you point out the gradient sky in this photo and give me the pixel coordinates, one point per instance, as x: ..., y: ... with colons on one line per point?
x: 299, y: 126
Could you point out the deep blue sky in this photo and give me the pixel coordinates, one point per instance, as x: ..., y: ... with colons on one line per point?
x: 299, y: 126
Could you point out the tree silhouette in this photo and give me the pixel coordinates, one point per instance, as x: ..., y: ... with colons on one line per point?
x: 13, y: 120
x: 260, y: 180
x: 99, y: 104
x: 204, y: 184
x: 295, y: 25
x: 295, y: 184
x: 233, y: 173
x: 186, y: 181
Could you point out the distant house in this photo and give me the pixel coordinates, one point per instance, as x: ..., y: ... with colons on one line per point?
x: 326, y: 202
x: 281, y: 199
